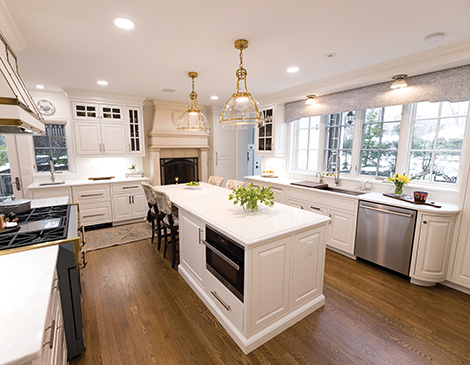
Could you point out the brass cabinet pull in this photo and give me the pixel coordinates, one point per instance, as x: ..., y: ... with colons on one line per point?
x: 93, y: 215
x: 130, y: 187
x: 200, y: 236
x: 88, y: 195
x: 51, y: 339
x: 57, y: 285
x: 227, y: 307
x: 312, y: 207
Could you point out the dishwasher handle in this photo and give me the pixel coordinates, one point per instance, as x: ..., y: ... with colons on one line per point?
x: 387, y: 211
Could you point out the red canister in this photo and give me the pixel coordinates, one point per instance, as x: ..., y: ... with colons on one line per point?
x: 420, y: 196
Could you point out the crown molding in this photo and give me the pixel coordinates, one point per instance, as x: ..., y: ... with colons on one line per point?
x: 454, y: 55
x: 10, y: 30
x: 101, y: 96
x: 48, y: 93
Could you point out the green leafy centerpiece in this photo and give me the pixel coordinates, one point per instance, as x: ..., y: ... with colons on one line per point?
x: 248, y: 197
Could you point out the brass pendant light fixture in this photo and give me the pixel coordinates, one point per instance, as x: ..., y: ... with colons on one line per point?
x: 193, y: 119
x: 241, y: 111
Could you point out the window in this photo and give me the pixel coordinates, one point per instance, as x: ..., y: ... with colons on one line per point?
x: 380, y: 135
x: 437, y: 140
x: 52, y: 146
x: 307, y: 139
x: 6, y: 188
x: 339, y: 132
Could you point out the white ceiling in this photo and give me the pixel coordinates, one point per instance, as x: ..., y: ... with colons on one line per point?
x: 73, y: 44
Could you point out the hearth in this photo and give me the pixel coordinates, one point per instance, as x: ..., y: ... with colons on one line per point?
x: 178, y: 170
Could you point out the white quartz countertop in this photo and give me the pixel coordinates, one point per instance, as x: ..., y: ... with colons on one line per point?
x: 210, y: 203
x: 25, y: 290
x: 446, y: 208
x: 36, y: 185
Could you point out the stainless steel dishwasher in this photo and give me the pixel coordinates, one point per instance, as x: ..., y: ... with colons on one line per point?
x: 385, y: 234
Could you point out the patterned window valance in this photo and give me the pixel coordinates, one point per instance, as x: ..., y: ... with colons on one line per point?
x: 447, y: 85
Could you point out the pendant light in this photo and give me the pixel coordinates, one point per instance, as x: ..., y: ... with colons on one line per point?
x: 310, y: 100
x: 192, y: 119
x: 399, y: 82
x: 241, y: 111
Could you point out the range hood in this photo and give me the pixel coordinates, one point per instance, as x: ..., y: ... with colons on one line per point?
x: 18, y: 111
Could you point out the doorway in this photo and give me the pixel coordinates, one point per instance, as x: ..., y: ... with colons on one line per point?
x: 10, y: 178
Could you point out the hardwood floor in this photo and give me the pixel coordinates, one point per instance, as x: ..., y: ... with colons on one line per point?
x: 138, y: 310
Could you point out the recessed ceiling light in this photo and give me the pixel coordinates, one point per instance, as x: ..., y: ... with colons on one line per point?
x: 293, y: 69
x: 124, y: 23
x: 214, y: 97
x: 330, y: 55
x: 39, y: 86
x: 168, y: 90
x: 102, y: 82
x: 434, y: 38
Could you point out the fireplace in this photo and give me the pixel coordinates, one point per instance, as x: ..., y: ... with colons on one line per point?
x: 178, y: 170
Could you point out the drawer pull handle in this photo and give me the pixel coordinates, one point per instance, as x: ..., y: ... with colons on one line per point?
x: 425, y: 222
x: 57, y: 285
x: 200, y: 236
x: 227, y: 307
x: 51, y: 339
x: 130, y: 187
x: 87, y: 195
x: 312, y: 207
x: 93, y: 215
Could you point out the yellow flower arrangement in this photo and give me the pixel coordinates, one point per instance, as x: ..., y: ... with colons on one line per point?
x: 400, y: 181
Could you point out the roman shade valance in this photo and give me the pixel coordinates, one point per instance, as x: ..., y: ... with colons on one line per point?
x: 447, y: 85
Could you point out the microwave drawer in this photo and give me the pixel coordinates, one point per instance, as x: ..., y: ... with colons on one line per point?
x: 222, y: 299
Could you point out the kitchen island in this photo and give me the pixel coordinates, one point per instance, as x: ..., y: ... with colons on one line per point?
x: 283, y: 261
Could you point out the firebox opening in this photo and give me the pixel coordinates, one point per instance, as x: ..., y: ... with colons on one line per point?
x: 179, y: 170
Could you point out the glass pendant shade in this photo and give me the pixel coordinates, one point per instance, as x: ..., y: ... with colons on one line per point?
x: 241, y: 111
x: 193, y: 119
x: 310, y: 100
x: 399, y: 82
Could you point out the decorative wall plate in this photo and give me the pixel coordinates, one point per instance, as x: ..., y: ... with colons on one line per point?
x: 46, y: 107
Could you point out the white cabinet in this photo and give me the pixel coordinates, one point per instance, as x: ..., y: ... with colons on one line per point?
x: 100, y: 139
x: 192, y: 252
x: 270, y: 139
x: 341, y: 230
x: 94, y: 203
x: 95, y: 111
x: 129, y: 202
x: 52, y: 192
x: 431, y: 248
x: 135, y: 131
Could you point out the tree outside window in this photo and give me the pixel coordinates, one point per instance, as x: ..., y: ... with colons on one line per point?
x: 339, y: 131
x: 52, y: 146
x: 380, y: 135
x: 436, y: 146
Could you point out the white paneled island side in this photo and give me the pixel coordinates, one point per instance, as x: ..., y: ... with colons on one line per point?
x: 284, y: 257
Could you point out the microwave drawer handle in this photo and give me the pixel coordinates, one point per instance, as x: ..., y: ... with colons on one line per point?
x: 387, y: 211
x: 226, y: 306
x: 221, y: 255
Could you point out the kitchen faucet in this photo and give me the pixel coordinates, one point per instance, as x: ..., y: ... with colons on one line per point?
x: 337, y: 168
x: 319, y: 174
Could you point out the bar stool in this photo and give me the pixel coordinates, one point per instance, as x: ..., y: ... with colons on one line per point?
x: 234, y: 184
x: 153, y: 214
x: 215, y: 180
x: 170, y: 222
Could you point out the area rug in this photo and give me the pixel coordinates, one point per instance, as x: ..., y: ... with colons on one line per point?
x: 113, y: 236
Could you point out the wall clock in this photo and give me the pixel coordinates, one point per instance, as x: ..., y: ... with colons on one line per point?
x: 46, y: 107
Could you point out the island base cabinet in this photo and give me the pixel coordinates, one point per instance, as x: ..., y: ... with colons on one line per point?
x: 192, y: 251
x: 307, y: 269
x: 430, y: 258
x: 269, y: 292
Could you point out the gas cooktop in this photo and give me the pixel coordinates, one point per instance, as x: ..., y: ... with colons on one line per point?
x: 37, y: 225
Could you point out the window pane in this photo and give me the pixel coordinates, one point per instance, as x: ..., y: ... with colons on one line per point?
x: 371, y: 136
x: 369, y: 162
x: 4, y: 163
x: 345, y: 161
x: 446, y: 167
x: 454, y: 109
x: 53, y: 144
x: 41, y: 141
x: 314, y: 138
x: 373, y: 115
x: 390, y: 135
x: 312, y: 159
x: 392, y: 113
x: 420, y: 164
x: 303, y: 123
x: 388, y: 163
x: 3, y: 142
x: 348, y: 132
x: 315, y: 122
x: 424, y: 133
x: 6, y: 187
x: 450, y: 136
x: 334, y: 119
x: 302, y: 159
x: 303, y: 140
x: 427, y: 110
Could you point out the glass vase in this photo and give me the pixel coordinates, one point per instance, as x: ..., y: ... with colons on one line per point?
x: 398, y: 190
x: 251, y: 206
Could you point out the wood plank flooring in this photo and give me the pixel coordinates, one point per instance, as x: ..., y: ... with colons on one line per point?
x: 138, y: 310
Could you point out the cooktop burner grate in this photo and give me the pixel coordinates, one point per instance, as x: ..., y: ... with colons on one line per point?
x: 24, y: 237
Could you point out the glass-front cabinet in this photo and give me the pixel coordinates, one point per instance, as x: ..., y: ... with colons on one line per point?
x: 94, y: 111
x: 134, y: 127
x: 270, y: 138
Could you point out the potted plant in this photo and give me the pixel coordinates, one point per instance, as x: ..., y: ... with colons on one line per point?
x: 400, y: 181
x: 248, y: 197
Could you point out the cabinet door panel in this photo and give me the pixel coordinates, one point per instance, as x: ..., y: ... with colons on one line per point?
x: 270, y: 283
x: 121, y: 207
x: 341, y: 231
x: 139, y: 205
x: 192, y: 253
x: 461, y: 270
x: 87, y: 138
x: 114, y: 139
x: 307, y: 269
